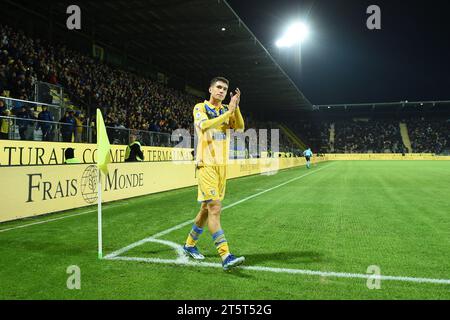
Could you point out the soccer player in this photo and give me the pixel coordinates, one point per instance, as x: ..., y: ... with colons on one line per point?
x: 308, y: 154
x: 212, y: 120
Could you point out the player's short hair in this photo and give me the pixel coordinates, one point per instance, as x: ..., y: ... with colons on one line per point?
x: 216, y: 79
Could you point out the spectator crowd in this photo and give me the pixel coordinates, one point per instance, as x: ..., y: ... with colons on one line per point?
x: 372, y: 136
x: 375, y: 136
x: 128, y: 100
x: 429, y: 136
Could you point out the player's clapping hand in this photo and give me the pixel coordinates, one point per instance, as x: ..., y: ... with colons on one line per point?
x: 238, y: 93
x: 235, y: 99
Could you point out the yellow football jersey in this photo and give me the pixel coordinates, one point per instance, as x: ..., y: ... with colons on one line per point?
x: 213, y: 144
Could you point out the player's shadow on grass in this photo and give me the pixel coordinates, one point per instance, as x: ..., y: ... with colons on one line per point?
x: 158, y: 251
x: 239, y: 273
x: 288, y: 257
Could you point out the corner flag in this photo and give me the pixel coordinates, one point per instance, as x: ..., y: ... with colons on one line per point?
x: 103, y: 158
x: 103, y: 146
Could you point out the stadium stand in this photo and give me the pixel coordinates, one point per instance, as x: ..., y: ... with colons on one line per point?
x: 365, y: 135
x: 129, y: 101
x: 368, y: 136
x: 429, y: 135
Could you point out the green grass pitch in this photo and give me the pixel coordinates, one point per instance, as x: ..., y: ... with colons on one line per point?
x: 337, y: 217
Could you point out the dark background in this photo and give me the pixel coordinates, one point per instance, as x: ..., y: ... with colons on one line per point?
x: 344, y: 62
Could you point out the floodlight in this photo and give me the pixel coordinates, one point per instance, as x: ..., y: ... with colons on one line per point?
x: 295, y: 34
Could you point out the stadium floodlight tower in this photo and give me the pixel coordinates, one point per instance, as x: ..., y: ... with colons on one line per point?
x: 295, y: 35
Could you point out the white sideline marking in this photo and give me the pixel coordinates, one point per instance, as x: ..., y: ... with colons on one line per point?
x: 181, y: 225
x: 184, y: 261
x: 49, y: 220
x: 56, y: 219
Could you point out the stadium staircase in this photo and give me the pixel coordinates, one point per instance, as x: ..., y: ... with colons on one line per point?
x: 332, y: 135
x: 292, y: 136
x: 405, y: 136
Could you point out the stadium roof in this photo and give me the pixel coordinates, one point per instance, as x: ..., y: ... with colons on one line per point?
x: 386, y: 106
x: 186, y: 39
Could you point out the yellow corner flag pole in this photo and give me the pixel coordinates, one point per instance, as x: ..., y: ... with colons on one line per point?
x: 103, y: 158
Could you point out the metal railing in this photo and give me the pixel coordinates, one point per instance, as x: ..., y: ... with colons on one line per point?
x: 27, y: 129
x: 49, y: 93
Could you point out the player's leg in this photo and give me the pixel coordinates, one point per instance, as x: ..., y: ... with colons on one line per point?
x: 214, y: 213
x: 215, y: 206
x: 228, y: 260
x: 197, y: 228
x: 190, y: 246
x: 204, y: 182
x: 202, y: 216
x: 214, y: 226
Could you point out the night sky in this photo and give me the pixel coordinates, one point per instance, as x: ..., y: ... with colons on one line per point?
x: 344, y: 62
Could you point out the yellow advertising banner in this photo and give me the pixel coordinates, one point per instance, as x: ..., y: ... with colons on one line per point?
x: 25, y: 153
x: 37, y: 190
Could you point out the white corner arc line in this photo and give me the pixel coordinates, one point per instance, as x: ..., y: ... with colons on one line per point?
x: 179, y: 249
x: 182, y: 225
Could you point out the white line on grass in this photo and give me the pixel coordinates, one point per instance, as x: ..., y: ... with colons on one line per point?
x: 183, y: 260
x: 284, y: 270
x: 181, y: 225
x: 60, y: 218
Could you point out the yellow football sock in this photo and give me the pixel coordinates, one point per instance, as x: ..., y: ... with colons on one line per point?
x: 221, y: 244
